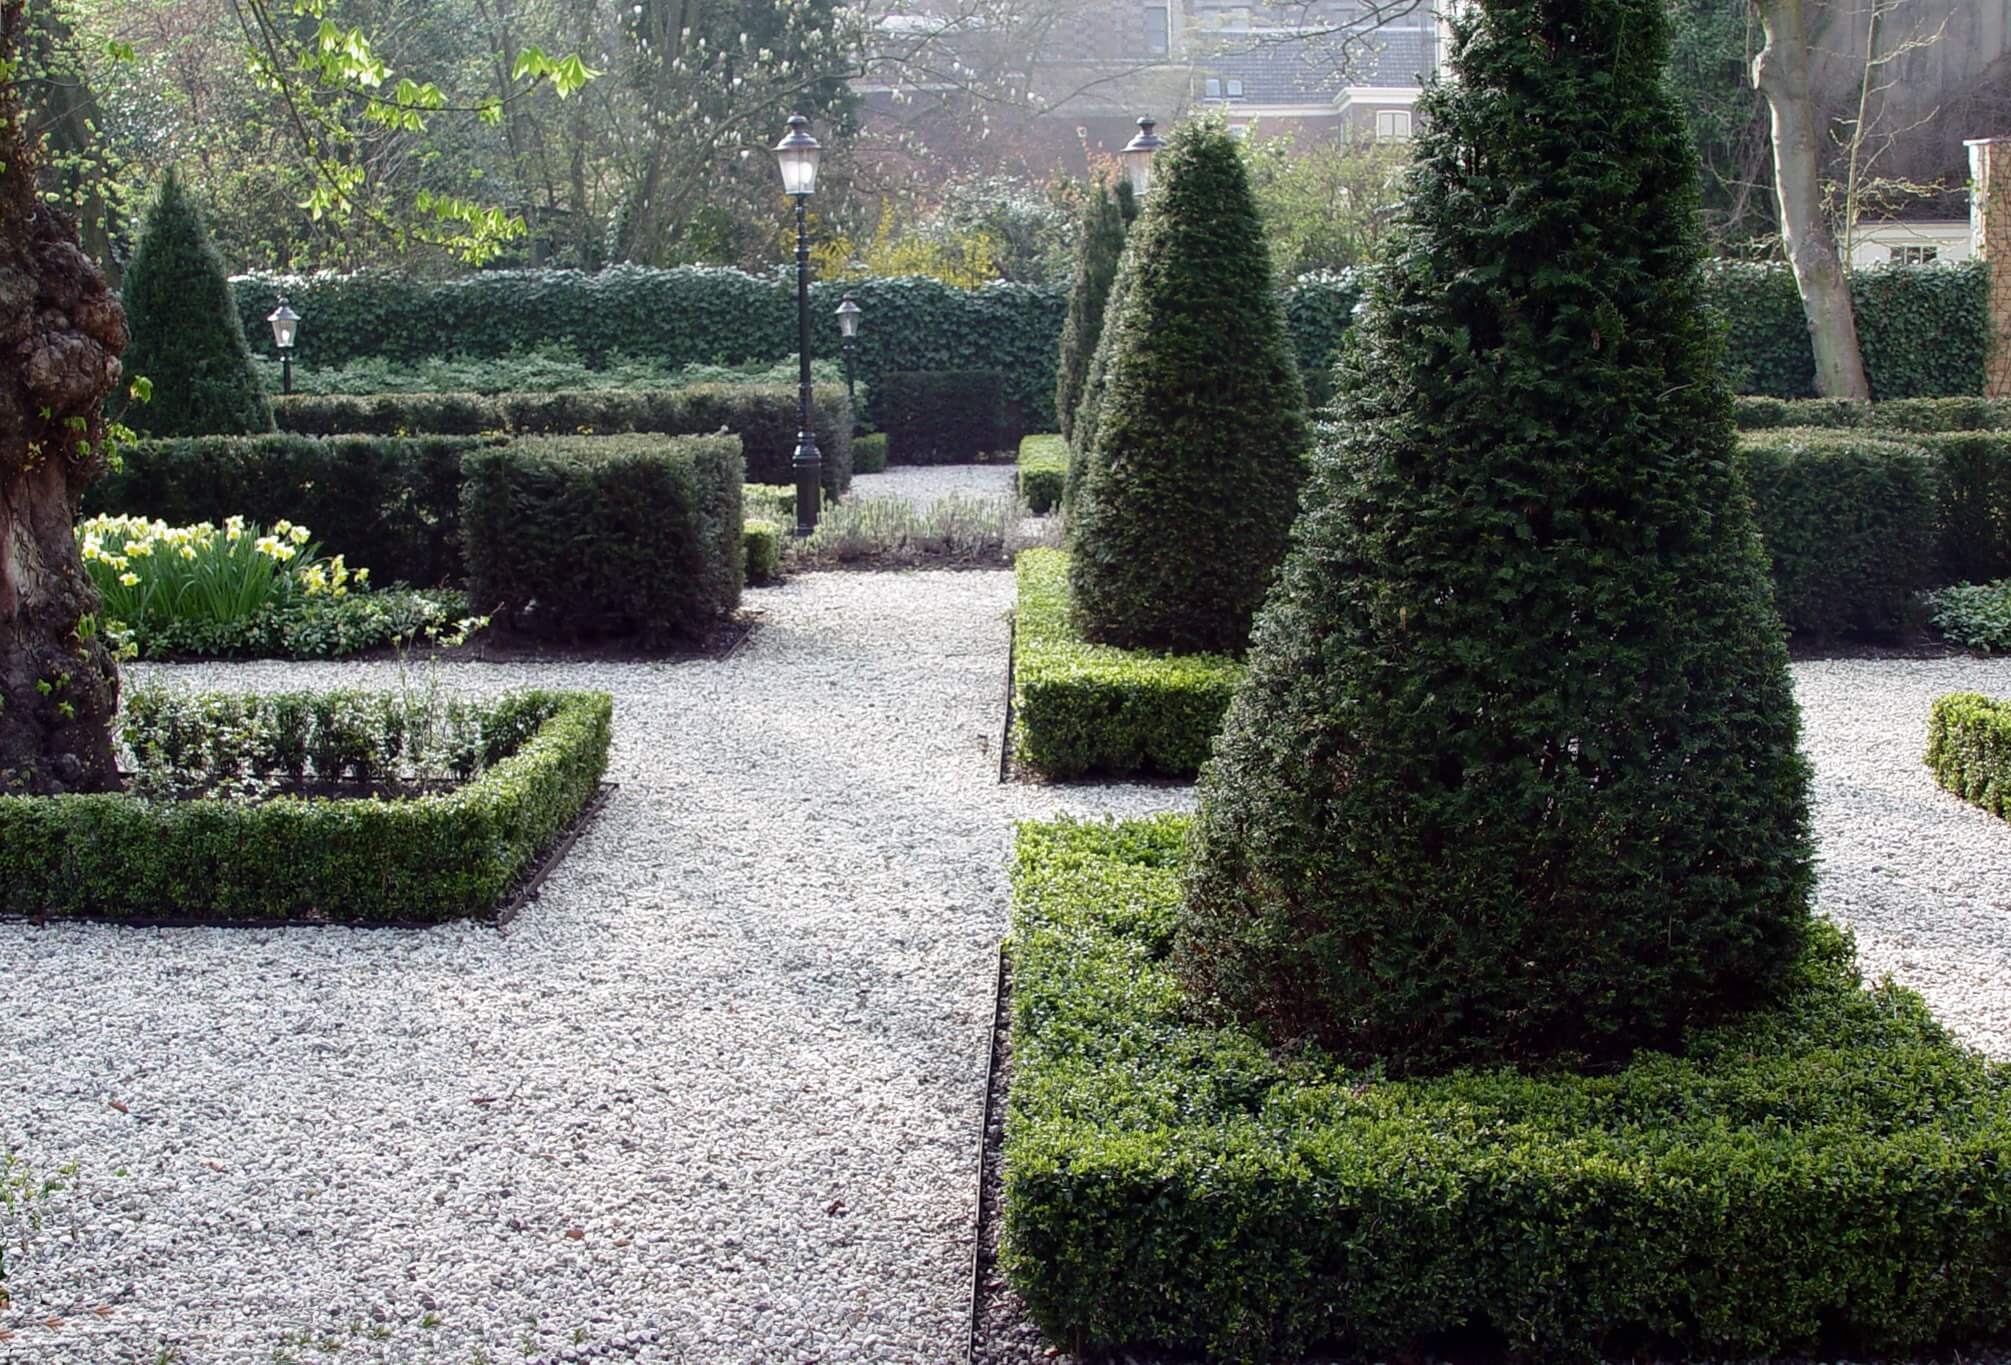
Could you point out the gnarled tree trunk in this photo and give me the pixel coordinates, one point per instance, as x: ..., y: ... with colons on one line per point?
x: 1781, y: 74
x: 61, y: 332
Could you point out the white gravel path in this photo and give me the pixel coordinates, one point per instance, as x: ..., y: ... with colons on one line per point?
x: 923, y: 484
x: 714, y: 1097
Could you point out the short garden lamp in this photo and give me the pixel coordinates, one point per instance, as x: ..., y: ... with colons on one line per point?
x: 848, y: 328
x: 796, y: 154
x: 285, y: 322
x: 1138, y: 156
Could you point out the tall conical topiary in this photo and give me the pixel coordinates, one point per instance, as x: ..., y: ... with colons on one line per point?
x: 1513, y: 775
x: 1099, y: 241
x: 187, y: 339
x: 1193, y: 477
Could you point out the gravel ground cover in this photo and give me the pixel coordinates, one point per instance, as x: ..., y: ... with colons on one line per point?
x: 714, y: 1097
x: 922, y: 484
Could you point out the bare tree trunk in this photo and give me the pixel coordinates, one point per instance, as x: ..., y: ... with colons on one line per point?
x: 1781, y: 74
x: 61, y: 332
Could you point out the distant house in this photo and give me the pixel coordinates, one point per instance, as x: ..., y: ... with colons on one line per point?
x: 1934, y: 241
x: 1086, y: 69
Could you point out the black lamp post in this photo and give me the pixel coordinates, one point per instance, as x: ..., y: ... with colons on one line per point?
x: 848, y: 328
x: 285, y: 322
x: 796, y: 154
x: 1138, y: 156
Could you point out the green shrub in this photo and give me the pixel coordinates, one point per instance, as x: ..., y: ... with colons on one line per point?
x: 869, y: 453
x: 405, y: 414
x: 637, y: 535
x: 536, y: 761
x: 1969, y: 749
x: 1099, y: 241
x: 393, y: 503
x: 185, y: 334
x: 1973, y: 615
x: 1827, y: 1174
x: 1043, y: 471
x: 1089, y: 408
x: 1082, y: 708
x: 539, y: 369
x: 1513, y: 774
x: 1192, y: 480
x: 941, y: 416
x: 764, y: 550
x: 1973, y: 517
x: 323, y: 627
x: 1849, y: 523
x: 1899, y: 414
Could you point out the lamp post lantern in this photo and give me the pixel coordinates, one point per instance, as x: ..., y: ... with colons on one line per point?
x: 796, y: 156
x: 1138, y: 156
x: 285, y: 323
x: 848, y: 328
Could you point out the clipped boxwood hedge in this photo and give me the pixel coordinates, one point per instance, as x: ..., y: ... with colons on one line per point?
x: 1081, y: 708
x: 423, y: 859
x: 763, y: 416
x: 1969, y: 749
x: 1833, y: 1172
x: 618, y: 535
x: 764, y: 550
x: 869, y: 453
x: 941, y: 416
x: 1756, y: 413
x: 1849, y: 525
x: 1043, y: 470
x: 389, y: 504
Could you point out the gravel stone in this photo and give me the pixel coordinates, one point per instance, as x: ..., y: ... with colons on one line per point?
x: 715, y: 1095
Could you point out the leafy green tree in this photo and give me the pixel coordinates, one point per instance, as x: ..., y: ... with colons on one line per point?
x: 186, y: 337
x: 1513, y: 774
x: 1200, y: 442
x: 1099, y: 241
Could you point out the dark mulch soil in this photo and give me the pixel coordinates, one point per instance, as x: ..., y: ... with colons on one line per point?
x: 1917, y: 644
x: 502, y: 643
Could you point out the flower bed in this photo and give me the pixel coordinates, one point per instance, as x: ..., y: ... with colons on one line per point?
x: 1083, y: 708
x: 1831, y: 1173
x: 229, y: 818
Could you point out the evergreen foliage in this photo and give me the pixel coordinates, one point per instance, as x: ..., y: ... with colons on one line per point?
x: 1098, y: 244
x: 186, y: 334
x: 1089, y: 407
x: 1513, y: 775
x: 1192, y: 480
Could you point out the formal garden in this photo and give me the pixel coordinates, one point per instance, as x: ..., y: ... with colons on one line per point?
x: 1454, y: 810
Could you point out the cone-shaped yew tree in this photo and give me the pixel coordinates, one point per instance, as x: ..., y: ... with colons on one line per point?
x: 1513, y: 776
x: 1199, y: 434
x: 61, y: 332
x: 1098, y: 243
x: 187, y: 337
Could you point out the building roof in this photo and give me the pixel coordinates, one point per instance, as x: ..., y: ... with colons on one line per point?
x: 1280, y: 69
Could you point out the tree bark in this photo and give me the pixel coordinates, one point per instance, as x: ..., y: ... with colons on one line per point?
x: 61, y: 332
x: 1781, y: 74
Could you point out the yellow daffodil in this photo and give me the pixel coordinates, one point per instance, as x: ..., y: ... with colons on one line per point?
x: 129, y: 579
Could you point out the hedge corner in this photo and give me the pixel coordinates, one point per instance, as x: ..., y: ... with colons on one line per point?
x: 1830, y: 1173
x: 1043, y: 469
x: 1080, y: 708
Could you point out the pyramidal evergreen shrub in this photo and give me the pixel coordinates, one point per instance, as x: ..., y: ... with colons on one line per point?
x: 186, y: 335
x: 1089, y: 406
x: 1099, y: 242
x: 1192, y: 481
x: 1513, y: 775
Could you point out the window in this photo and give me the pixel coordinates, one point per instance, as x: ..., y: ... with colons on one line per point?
x: 1213, y: 89
x: 1392, y: 124
x: 1915, y: 255
x: 1156, y: 31
x: 1235, y: 90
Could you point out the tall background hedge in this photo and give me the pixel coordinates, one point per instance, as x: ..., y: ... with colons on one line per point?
x: 1923, y: 329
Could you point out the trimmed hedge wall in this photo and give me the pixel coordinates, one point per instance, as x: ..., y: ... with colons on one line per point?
x: 1897, y: 415
x: 1849, y: 525
x: 389, y: 504
x: 633, y: 535
x: 1829, y: 1173
x: 1924, y: 331
x: 941, y: 416
x: 763, y: 416
x: 1969, y: 749
x: 354, y: 861
x: 1082, y: 708
x: 869, y: 453
x: 1043, y: 471
x: 764, y: 550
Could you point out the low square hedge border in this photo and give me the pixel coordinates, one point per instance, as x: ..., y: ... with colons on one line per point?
x: 1969, y: 749
x: 1830, y: 1173
x: 425, y: 859
x: 1755, y: 413
x: 1043, y: 470
x: 1082, y: 708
